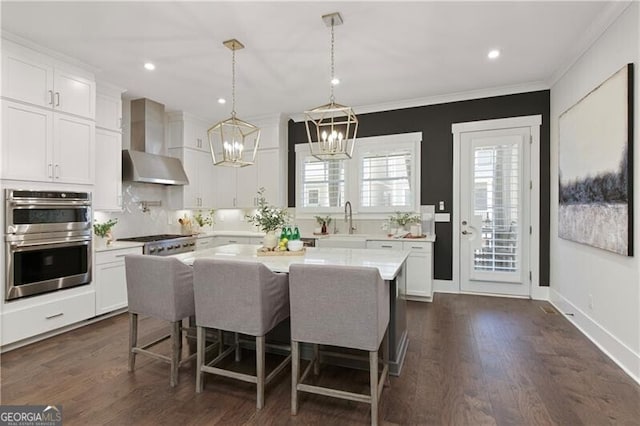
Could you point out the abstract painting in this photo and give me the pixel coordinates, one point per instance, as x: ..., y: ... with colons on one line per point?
x: 595, y: 167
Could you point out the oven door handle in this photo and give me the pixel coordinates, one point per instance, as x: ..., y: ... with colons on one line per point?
x: 58, y: 243
x: 66, y: 203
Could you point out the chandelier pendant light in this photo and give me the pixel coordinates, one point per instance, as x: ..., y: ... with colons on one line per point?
x: 233, y: 141
x: 331, y: 128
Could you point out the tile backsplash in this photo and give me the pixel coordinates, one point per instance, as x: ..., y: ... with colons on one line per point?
x: 136, y: 220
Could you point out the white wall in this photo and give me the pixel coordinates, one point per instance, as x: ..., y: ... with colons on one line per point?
x: 580, y: 272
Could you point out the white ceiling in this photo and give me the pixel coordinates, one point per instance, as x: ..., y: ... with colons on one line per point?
x: 385, y: 51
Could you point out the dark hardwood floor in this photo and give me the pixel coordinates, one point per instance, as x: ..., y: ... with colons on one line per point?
x: 471, y: 361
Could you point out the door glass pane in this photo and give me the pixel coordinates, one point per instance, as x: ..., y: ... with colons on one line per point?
x: 496, y: 194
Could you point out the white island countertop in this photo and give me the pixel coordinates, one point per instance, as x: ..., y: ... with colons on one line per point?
x: 388, y: 262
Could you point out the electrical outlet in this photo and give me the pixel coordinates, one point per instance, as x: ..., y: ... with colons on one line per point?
x: 590, y: 301
x: 441, y: 206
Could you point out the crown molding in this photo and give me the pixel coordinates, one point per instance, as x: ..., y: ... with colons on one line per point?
x: 598, y: 27
x: 49, y: 52
x: 441, y: 99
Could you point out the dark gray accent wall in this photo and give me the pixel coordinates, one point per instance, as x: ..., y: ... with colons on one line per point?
x: 434, y: 121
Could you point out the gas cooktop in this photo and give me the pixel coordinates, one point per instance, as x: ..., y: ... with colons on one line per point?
x: 164, y: 244
x: 151, y: 238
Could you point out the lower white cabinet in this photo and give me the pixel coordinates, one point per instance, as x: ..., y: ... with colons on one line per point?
x: 419, y: 270
x: 110, y: 279
x: 203, y: 243
x: 419, y: 266
x: 47, y: 316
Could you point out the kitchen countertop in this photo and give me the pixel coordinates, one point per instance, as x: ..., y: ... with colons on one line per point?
x: 388, y: 262
x: 371, y: 237
x: 119, y: 245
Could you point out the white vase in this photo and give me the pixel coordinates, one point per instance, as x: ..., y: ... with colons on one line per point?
x: 99, y: 242
x: 270, y: 240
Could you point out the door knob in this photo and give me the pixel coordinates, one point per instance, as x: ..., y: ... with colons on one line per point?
x: 464, y: 222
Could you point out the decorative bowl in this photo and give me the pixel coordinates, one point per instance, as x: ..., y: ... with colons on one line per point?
x: 294, y: 245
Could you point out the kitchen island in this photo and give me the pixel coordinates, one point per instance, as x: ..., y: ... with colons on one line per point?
x: 390, y: 264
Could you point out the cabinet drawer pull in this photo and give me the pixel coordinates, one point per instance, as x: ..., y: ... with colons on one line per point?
x: 417, y: 248
x: 57, y: 98
x: 120, y: 255
x: 50, y: 97
x: 59, y: 314
x: 385, y: 246
x: 57, y: 171
x: 50, y: 167
x: 233, y: 242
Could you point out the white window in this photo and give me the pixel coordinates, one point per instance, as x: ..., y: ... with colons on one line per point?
x: 320, y: 184
x: 382, y: 177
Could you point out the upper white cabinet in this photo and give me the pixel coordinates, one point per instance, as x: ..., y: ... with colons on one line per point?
x: 34, y: 78
x: 107, y: 193
x: 40, y: 145
x: 200, y: 192
x: 48, y: 107
x: 187, y: 131
x: 109, y: 107
x: 227, y: 187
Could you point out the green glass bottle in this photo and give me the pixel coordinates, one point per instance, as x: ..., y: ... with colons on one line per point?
x: 296, y: 233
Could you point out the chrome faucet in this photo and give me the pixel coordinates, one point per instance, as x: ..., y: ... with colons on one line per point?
x: 348, y: 216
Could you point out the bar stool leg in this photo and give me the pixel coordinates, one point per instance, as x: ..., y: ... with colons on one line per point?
x: 175, y: 352
x: 200, y: 336
x: 373, y: 379
x: 238, y: 350
x: 295, y: 374
x: 260, y: 341
x: 385, y: 356
x: 133, y: 339
x: 220, y: 342
x: 316, y: 359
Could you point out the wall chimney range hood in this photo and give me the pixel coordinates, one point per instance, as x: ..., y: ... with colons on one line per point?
x: 143, y: 162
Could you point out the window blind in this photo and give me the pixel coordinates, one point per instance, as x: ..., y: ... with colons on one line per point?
x: 386, y: 179
x: 323, y: 183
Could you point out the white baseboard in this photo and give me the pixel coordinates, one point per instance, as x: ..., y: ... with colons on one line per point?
x: 539, y: 293
x: 619, y: 352
x: 445, y: 286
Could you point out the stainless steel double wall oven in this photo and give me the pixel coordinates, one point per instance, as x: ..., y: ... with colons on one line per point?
x: 47, y: 241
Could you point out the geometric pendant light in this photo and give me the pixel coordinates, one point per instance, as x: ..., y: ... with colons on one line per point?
x: 233, y: 141
x: 331, y: 128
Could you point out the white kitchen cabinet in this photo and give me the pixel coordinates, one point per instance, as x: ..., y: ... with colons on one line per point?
x: 203, y: 243
x: 337, y: 242
x: 107, y: 192
x: 109, y: 107
x: 419, y: 274
x: 56, y: 312
x: 238, y: 187
x: 40, y: 80
x: 419, y: 270
x: 40, y: 145
x: 232, y: 239
x: 110, y: 279
x: 200, y: 193
x: 187, y: 131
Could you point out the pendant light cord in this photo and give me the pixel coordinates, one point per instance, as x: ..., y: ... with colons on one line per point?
x: 331, y: 98
x: 233, y: 81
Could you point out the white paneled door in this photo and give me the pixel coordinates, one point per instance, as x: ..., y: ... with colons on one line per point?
x: 494, y: 211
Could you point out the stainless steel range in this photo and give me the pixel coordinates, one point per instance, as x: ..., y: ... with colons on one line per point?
x: 164, y: 244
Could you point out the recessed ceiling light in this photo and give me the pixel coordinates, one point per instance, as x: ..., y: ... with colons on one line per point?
x: 222, y: 101
x: 335, y: 81
x: 149, y: 66
x: 493, y: 54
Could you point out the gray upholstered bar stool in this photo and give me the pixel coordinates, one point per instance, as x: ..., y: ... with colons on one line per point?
x: 159, y: 287
x: 241, y: 297
x: 340, y: 306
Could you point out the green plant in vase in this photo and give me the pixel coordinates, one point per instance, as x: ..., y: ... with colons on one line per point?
x: 404, y: 219
x: 268, y: 219
x: 324, y: 223
x: 204, y: 219
x: 103, y: 230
